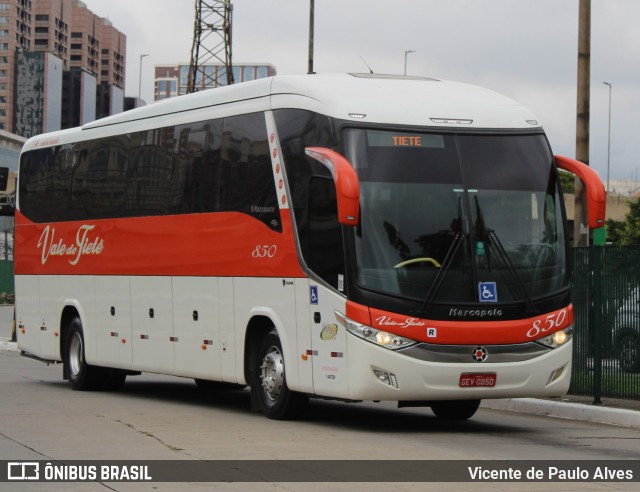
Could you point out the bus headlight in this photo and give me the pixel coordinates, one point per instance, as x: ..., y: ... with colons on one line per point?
x: 558, y: 338
x: 379, y: 337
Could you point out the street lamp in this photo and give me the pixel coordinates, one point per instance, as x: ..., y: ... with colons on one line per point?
x: 405, y: 59
x: 609, y: 137
x: 311, y: 34
x: 140, y: 77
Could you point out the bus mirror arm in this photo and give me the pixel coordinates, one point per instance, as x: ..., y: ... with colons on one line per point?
x: 345, y: 180
x: 596, y: 194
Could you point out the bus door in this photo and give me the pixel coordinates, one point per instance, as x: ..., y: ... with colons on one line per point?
x: 304, y: 356
x: 328, y: 342
x: 325, y: 258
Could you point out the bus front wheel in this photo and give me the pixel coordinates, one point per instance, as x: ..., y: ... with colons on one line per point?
x: 274, y: 397
x: 455, y: 409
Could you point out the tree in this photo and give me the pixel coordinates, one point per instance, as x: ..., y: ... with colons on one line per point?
x: 627, y: 231
x: 614, y: 231
x: 567, y: 182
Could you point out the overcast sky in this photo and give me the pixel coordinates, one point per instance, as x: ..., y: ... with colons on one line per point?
x: 525, y: 49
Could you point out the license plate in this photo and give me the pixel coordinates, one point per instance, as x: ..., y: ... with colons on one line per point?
x: 478, y: 380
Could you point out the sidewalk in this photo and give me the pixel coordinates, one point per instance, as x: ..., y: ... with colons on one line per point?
x: 6, y: 322
x: 624, y: 413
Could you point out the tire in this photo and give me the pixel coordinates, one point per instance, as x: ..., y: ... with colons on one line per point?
x: 275, y: 399
x: 455, y: 409
x: 629, y: 352
x: 82, y: 376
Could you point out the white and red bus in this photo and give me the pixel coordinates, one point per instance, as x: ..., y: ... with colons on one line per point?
x: 355, y: 237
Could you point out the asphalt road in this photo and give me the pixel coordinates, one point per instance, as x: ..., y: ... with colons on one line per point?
x: 6, y: 318
x: 165, y: 418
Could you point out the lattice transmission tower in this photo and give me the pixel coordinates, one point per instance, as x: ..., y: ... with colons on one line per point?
x: 211, y: 45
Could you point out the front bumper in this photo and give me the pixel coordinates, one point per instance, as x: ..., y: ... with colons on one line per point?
x: 418, y: 380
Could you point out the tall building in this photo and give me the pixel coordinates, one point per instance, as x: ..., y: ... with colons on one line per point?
x: 60, y: 65
x: 78, y: 97
x: 171, y: 80
x: 38, y: 97
x: 16, y: 33
x: 50, y: 31
x: 100, y: 49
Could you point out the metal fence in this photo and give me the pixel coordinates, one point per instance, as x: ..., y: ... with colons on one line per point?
x: 7, y: 292
x: 606, y: 299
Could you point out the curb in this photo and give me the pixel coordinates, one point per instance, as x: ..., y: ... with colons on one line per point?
x: 5, y: 344
x: 565, y: 410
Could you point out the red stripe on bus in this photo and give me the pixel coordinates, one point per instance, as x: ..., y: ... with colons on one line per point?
x: 216, y: 244
x: 463, y: 332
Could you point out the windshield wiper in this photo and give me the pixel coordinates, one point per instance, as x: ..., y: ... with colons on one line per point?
x: 435, y: 286
x: 492, y: 238
x: 446, y: 263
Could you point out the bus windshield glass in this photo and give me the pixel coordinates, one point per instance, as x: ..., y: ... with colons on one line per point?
x: 457, y: 218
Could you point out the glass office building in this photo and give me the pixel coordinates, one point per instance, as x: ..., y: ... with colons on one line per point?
x: 172, y: 80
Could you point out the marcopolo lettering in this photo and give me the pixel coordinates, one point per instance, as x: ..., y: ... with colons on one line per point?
x: 257, y: 209
x: 475, y: 313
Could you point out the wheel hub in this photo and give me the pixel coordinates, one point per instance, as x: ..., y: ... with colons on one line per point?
x: 75, y: 354
x: 272, y: 373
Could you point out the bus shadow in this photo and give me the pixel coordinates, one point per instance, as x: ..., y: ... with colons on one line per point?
x: 366, y: 417
x: 387, y: 418
x: 185, y: 391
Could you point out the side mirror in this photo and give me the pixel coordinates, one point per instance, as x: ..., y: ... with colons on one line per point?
x: 596, y: 195
x: 345, y: 180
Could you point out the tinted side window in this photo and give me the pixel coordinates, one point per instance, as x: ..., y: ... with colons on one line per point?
x: 195, y: 174
x: 325, y: 256
x: 245, y: 170
x: 64, y: 168
x: 149, y: 171
x: 298, y: 129
x: 36, y: 184
x: 104, y: 179
x: 183, y: 169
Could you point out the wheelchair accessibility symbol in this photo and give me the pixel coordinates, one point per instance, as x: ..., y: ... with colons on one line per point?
x: 313, y: 294
x: 487, y: 292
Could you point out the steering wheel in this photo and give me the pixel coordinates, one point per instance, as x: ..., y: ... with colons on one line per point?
x: 423, y: 259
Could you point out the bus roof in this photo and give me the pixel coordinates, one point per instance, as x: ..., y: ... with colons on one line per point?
x: 403, y: 100
x: 370, y: 98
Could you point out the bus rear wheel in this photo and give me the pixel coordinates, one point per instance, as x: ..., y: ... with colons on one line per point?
x: 81, y: 375
x: 276, y: 400
x: 455, y: 409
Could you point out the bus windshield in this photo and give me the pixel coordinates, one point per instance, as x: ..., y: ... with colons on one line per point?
x: 457, y: 218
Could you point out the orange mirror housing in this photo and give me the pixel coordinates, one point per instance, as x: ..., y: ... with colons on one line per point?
x: 346, y: 182
x: 596, y: 194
